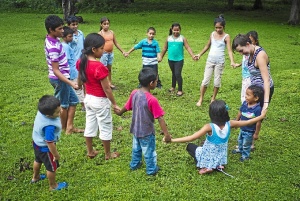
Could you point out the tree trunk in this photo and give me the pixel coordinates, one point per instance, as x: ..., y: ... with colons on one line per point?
x: 230, y: 4
x: 257, y: 5
x: 127, y: 1
x: 68, y: 8
x: 294, y: 15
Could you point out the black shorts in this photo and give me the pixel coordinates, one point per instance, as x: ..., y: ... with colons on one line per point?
x: 47, y: 159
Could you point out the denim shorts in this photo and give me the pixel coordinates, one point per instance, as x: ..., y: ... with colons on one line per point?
x: 64, y: 92
x: 107, y: 58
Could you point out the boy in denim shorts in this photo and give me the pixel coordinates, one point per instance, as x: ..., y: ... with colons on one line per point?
x: 145, y: 108
x: 46, y: 132
x: 59, y: 73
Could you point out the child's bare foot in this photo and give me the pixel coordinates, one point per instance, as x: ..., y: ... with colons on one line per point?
x: 93, y: 154
x: 199, y: 103
x: 74, y: 130
x: 112, y: 155
x: 205, y: 171
x: 171, y: 90
x: 212, y: 100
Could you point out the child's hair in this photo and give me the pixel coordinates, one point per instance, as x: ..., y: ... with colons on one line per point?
x: 93, y: 40
x: 151, y: 28
x: 67, y: 31
x: 240, y: 39
x: 257, y: 92
x: 220, y: 19
x: 72, y: 19
x: 52, y: 22
x: 103, y: 19
x: 146, y: 76
x: 175, y: 24
x: 48, y: 104
x: 254, y: 35
x: 218, y: 112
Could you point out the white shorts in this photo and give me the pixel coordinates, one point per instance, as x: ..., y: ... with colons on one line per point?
x: 98, y: 116
x: 246, y: 82
x: 217, y: 68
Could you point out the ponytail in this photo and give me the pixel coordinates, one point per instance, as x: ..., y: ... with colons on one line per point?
x: 176, y: 24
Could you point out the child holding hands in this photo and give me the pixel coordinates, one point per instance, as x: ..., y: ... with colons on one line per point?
x: 145, y: 109
x: 213, y: 154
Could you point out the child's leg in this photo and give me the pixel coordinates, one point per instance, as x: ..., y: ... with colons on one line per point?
x: 178, y: 69
x: 148, y: 148
x: 109, y: 75
x: 108, y: 155
x: 191, y: 149
x: 215, y: 92
x: 209, y: 68
x: 248, y: 137
x: 172, y: 67
x: 136, y: 157
x: 36, y: 171
x: 91, y: 153
x: 219, y: 68
x: 64, y: 118
x: 51, y: 178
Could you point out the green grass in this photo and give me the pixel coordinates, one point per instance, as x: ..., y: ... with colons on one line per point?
x: 273, y: 173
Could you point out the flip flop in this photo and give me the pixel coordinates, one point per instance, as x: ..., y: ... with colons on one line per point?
x: 42, y: 177
x: 95, y: 153
x: 179, y: 94
x: 60, y: 186
x: 113, y: 155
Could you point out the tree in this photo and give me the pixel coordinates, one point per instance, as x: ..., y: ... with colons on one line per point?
x: 294, y: 15
x: 257, y: 5
x: 68, y: 7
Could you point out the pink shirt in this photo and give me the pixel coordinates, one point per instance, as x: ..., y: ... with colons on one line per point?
x: 95, y: 72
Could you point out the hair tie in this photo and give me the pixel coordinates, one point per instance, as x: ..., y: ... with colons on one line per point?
x: 227, y: 107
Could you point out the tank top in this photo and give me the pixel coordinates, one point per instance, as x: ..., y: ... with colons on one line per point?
x: 109, y: 41
x: 256, y: 78
x: 217, y: 50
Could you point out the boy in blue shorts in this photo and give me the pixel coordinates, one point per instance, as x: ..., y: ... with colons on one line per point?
x: 150, y: 52
x: 145, y: 108
x: 59, y: 73
x: 46, y: 132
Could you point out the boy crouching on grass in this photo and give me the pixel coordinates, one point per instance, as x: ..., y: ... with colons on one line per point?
x: 46, y: 132
x: 145, y: 108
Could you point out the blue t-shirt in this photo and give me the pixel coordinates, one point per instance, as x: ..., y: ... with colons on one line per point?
x: 77, y: 44
x: 149, y: 51
x: 71, y: 60
x: 245, y: 71
x: 249, y: 113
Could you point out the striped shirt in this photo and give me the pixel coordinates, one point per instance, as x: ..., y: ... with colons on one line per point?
x: 54, y: 52
x: 149, y: 51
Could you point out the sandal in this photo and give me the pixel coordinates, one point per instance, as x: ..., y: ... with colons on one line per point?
x: 179, y: 94
x: 113, y: 155
x: 60, y: 186
x: 42, y: 177
x: 91, y: 156
x: 205, y: 171
x: 171, y: 90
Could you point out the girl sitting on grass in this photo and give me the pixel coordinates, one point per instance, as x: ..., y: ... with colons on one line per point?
x: 213, y: 154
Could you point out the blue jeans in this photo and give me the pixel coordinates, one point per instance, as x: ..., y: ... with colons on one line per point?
x: 244, y: 142
x: 154, y: 67
x: 64, y: 93
x: 107, y: 58
x: 145, y: 146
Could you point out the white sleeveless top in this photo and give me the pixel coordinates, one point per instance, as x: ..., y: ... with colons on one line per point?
x: 217, y: 49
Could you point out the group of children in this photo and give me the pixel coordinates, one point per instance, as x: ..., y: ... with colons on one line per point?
x: 66, y: 73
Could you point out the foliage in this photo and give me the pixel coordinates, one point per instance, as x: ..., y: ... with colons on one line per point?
x: 271, y: 174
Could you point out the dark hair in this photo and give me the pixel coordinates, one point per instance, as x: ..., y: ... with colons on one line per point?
x: 72, y: 19
x: 218, y: 112
x: 146, y: 76
x: 93, y: 40
x: 257, y: 92
x: 220, y: 19
x: 254, y: 35
x: 52, y: 22
x: 240, y: 39
x: 48, y: 104
x: 67, y: 31
x: 151, y: 28
x: 175, y: 24
x: 103, y: 19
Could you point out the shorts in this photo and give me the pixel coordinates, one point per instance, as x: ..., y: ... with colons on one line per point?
x: 98, y: 116
x: 246, y: 82
x: 107, y: 58
x: 47, y: 159
x: 65, y: 93
x: 79, y: 92
x: 217, y: 68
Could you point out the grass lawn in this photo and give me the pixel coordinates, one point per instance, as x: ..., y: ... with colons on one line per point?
x: 273, y: 173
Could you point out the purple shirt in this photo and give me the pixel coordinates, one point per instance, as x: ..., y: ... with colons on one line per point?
x: 54, y: 52
x: 145, y: 108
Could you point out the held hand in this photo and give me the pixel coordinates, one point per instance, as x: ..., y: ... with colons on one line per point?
x: 264, y: 111
x: 265, y: 108
x: 56, y: 158
x: 75, y: 85
x: 167, y: 138
x: 126, y: 54
x: 255, y: 136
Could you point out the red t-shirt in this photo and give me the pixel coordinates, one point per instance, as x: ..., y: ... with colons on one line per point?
x: 95, y: 72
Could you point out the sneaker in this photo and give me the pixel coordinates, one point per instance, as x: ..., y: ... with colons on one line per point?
x: 157, y: 169
x: 243, y: 159
x: 236, y: 151
x: 137, y: 167
x: 60, y: 186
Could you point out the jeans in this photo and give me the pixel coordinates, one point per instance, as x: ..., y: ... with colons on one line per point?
x: 64, y: 93
x: 244, y: 142
x: 145, y: 146
x: 107, y: 58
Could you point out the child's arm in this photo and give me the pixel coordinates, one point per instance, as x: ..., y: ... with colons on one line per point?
x: 108, y: 92
x: 205, y: 129
x: 228, y: 44
x: 53, y: 150
x: 164, y: 50
x: 257, y: 129
x: 164, y: 128
x: 60, y: 76
x: 206, y: 47
x: 117, y: 44
x: 159, y: 58
x: 50, y: 139
x: 238, y: 116
x: 131, y: 50
x: 121, y: 111
x: 188, y: 48
x: 234, y: 123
